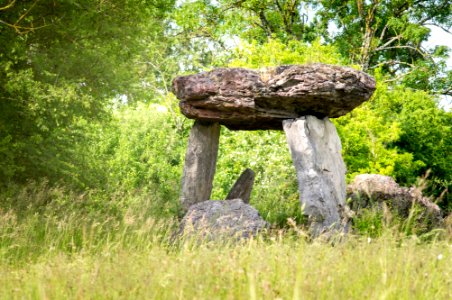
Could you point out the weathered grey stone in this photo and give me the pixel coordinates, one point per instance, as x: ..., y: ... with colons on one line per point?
x: 242, y: 187
x: 225, y: 218
x: 372, y: 190
x: 246, y: 99
x: 316, y: 153
x: 200, y: 163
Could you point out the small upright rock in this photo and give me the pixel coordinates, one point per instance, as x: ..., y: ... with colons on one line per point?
x: 224, y: 218
x: 242, y: 187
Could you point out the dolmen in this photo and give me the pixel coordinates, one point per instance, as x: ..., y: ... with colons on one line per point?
x: 298, y: 99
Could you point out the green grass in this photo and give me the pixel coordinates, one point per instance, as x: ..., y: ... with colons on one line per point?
x: 356, y: 269
x: 71, y: 248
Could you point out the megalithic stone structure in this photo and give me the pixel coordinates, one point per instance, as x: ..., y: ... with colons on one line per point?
x: 316, y: 153
x: 296, y: 98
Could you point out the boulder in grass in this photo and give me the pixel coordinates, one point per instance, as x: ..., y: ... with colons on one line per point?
x: 368, y: 190
x: 223, y: 218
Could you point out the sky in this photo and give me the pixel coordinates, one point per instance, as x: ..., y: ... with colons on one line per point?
x: 441, y: 37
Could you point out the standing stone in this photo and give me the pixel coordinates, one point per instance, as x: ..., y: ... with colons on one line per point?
x: 200, y: 163
x: 316, y: 153
x: 242, y: 187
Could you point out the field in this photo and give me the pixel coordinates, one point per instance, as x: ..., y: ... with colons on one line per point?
x: 68, y: 253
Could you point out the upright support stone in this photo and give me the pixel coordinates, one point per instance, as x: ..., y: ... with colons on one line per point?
x: 242, y: 187
x: 316, y: 153
x: 200, y: 163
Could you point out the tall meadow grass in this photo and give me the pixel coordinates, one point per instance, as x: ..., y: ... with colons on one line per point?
x: 83, y: 246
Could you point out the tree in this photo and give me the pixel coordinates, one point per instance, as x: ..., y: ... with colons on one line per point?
x: 389, y: 35
x: 250, y: 20
x: 62, y: 63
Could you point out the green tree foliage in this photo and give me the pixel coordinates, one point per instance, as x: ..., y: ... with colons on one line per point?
x: 275, y: 53
x: 208, y: 28
x: 144, y: 150
x: 265, y: 152
x: 389, y: 35
x: 400, y: 132
x: 61, y: 63
x: 248, y: 19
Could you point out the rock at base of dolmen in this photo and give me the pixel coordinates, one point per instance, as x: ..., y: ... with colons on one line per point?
x: 372, y: 190
x: 248, y: 100
x: 222, y: 219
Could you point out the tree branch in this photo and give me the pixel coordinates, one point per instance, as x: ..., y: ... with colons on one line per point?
x: 383, y: 32
x: 446, y: 92
x: 391, y: 40
x: 8, y: 5
x: 265, y: 23
x: 22, y: 29
x: 26, y: 12
x: 403, y: 47
x: 392, y: 62
x: 398, y: 77
x: 284, y: 17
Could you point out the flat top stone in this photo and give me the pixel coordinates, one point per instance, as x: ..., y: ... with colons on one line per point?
x: 248, y: 99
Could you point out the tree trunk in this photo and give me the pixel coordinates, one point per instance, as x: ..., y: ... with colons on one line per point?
x: 200, y: 163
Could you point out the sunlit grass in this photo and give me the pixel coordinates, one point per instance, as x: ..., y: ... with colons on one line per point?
x: 131, y: 254
x: 287, y: 269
